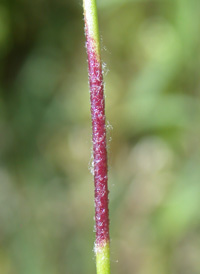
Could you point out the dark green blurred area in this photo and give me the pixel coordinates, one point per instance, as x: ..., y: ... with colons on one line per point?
x: 151, y: 49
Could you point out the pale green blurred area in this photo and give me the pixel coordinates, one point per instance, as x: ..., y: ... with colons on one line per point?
x: 152, y: 56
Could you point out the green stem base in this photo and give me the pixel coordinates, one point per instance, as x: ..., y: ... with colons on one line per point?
x: 103, y: 259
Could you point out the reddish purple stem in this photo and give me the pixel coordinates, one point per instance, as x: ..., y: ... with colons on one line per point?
x: 99, y: 142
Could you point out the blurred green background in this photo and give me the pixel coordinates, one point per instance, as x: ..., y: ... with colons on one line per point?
x: 152, y: 56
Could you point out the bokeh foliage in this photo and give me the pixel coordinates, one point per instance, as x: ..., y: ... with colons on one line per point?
x: 153, y: 103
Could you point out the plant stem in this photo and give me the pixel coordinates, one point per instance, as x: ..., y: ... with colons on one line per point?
x: 97, y: 101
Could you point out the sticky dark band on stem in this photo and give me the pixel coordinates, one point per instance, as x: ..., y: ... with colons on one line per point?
x: 99, y: 141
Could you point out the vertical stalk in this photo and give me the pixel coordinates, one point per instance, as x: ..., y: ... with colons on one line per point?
x: 97, y: 101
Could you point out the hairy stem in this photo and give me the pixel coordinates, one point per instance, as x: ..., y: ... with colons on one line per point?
x: 99, y: 137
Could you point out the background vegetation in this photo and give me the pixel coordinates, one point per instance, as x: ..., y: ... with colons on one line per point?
x: 153, y: 103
